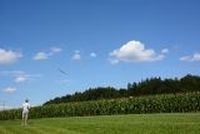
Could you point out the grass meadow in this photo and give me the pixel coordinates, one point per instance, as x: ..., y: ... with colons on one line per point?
x: 172, y: 123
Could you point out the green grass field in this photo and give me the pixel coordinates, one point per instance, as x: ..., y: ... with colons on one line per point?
x: 178, y: 123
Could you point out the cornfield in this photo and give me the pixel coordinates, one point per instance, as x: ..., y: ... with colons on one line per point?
x: 145, y: 104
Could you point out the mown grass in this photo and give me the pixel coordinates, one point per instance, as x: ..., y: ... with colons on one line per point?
x: 178, y: 123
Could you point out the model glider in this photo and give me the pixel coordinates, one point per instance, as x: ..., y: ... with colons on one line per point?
x: 61, y: 71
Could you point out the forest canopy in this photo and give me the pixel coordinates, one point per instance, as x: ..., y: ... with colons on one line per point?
x: 150, y: 86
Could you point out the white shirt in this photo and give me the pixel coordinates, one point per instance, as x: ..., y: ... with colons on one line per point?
x: 26, y: 107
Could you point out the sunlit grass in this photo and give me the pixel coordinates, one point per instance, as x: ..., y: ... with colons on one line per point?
x: 188, y: 123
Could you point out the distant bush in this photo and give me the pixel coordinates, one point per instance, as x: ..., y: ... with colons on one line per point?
x: 146, y: 104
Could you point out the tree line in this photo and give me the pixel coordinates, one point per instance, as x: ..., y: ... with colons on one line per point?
x: 149, y: 86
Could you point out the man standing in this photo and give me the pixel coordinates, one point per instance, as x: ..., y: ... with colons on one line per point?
x: 25, y: 112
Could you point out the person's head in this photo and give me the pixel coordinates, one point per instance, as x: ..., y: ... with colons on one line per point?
x: 26, y: 100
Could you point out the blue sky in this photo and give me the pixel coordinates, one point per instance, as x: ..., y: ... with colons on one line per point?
x: 96, y: 42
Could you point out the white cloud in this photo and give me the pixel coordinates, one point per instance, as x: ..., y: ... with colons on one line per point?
x: 9, y: 56
x: 9, y: 90
x: 185, y: 58
x: 21, y: 78
x: 76, y: 51
x: 114, y: 61
x: 93, y: 55
x: 41, y: 56
x: 76, y: 55
x: 194, y: 57
x: 135, y: 51
x: 56, y: 49
x: 46, y: 55
x: 165, y: 51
